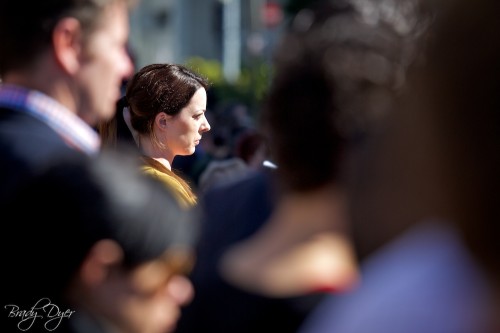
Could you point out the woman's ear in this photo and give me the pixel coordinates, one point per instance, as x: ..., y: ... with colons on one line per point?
x: 101, y: 258
x: 161, y: 120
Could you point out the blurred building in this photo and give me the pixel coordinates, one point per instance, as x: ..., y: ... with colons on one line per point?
x: 230, y: 31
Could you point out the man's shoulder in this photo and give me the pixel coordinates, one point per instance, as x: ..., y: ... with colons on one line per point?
x: 21, y: 132
x: 27, y: 146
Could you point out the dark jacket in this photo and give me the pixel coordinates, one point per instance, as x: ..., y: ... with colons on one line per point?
x: 27, y: 147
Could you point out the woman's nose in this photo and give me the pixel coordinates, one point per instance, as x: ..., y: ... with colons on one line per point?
x: 205, y: 126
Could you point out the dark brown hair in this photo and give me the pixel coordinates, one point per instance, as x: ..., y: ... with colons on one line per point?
x: 336, y: 75
x: 160, y: 88
x: 153, y: 89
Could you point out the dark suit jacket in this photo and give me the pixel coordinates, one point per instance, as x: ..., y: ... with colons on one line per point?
x: 27, y: 146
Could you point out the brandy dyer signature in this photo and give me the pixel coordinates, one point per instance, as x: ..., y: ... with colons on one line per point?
x: 44, y: 312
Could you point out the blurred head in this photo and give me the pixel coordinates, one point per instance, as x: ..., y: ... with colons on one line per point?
x: 81, y: 44
x: 127, y: 245
x: 167, y: 106
x: 144, y: 298
x: 337, y: 71
x: 251, y: 148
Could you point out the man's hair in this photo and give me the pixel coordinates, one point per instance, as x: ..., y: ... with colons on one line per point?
x: 26, y: 26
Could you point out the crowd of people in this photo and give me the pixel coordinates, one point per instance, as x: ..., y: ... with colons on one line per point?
x: 381, y: 127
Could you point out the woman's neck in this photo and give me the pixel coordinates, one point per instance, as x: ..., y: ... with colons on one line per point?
x: 150, y: 149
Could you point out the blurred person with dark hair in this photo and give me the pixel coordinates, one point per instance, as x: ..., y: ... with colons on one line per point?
x: 61, y: 64
x: 108, y: 253
x: 424, y: 208
x: 250, y: 146
x: 337, y: 72
x: 247, y: 156
x: 164, y: 108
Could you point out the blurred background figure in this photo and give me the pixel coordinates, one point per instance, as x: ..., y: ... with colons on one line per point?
x: 164, y: 107
x: 109, y: 251
x: 248, y: 154
x: 61, y: 66
x: 232, y: 212
x: 424, y: 212
x: 336, y: 76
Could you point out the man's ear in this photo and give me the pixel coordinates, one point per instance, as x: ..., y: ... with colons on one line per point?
x: 67, y: 42
x: 101, y: 258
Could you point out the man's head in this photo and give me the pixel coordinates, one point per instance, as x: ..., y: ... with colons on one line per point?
x: 105, y: 240
x: 74, y: 51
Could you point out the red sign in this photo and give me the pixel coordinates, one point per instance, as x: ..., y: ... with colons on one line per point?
x: 272, y: 14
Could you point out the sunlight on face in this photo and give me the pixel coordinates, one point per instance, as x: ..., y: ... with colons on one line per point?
x: 105, y: 65
x: 186, y: 128
x: 149, y: 298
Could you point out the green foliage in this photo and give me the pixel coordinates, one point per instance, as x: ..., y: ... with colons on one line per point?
x: 211, y: 69
x: 249, y: 89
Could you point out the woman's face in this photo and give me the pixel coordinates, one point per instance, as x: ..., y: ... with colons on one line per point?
x: 186, y: 128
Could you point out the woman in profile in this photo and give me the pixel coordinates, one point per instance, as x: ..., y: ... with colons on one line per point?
x: 164, y: 109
